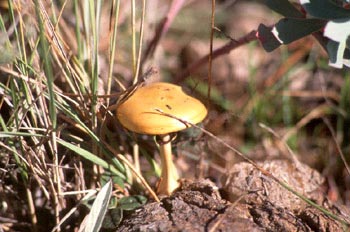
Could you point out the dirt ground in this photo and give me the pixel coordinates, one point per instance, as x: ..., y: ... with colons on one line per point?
x: 249, y: 201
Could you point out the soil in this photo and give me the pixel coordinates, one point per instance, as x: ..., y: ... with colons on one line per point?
x: 247, y: 201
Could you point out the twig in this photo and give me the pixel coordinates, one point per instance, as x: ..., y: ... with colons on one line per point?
x: 31, y: 206
x: 328, y: 124
x: 218, y: 222
x: 284, y: 143
x: 227, y: 48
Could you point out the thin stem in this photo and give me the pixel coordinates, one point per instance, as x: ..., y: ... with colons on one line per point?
x: 112, y: 49
x: 136, y: 76
x: 136, y: 154
x: 210, y: 60
x: 133, y: 32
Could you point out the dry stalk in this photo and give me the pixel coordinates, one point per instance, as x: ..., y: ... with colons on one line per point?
x: 341, y: 154
x: 222, y: 216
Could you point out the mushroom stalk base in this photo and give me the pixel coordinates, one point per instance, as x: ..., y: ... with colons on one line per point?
x: 169, y: 177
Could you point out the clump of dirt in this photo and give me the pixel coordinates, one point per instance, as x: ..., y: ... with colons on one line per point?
x: 245, y: 179
x: 249, y: 201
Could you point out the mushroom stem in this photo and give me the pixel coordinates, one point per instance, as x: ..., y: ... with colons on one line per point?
x: 169, y: 177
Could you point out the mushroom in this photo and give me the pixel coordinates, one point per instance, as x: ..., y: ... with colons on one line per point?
x: 161, y: 109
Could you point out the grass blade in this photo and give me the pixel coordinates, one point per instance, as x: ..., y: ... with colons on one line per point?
x: 47, y: 65
x: 99, y: 208
x: 112, y: 50
x: 91, y: 157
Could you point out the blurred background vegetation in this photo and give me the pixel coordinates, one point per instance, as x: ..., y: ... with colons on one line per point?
x: 65, y: 63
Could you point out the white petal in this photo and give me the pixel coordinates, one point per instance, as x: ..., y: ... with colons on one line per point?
x: 275, y: 33
x: 337, y: 31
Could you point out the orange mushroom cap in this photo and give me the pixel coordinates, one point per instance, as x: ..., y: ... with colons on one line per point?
x: 149, y: 109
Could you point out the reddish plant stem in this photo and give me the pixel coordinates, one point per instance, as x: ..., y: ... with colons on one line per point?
x: 225, y: 49
x: 163, y: 27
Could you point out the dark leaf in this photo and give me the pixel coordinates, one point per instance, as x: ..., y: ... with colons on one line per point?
x: 347, y: 54
x: 267, y: 39
x: 325, y: 9
x: 291, y: 29
x: 107, y: 175
x: 132, y: 202
x: 112, y: 219
x: 332, y: 49
x: 286, y: 31
x: 284, y: 7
